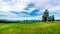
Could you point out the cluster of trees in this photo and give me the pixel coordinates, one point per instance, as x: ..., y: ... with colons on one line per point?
x: 29, y: 21
x: 46, y: 16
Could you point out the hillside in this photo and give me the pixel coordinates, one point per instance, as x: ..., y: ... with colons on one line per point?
x: 30, y: 28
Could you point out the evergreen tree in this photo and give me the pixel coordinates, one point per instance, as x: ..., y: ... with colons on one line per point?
x: 53, y: 18
x: 46, y: 13
x: 49, y: 18
x: 45, y: 16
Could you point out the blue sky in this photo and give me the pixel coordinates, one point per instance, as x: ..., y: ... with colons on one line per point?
x: 28, y: 9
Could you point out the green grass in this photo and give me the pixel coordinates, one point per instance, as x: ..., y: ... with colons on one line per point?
x: 30, y: 28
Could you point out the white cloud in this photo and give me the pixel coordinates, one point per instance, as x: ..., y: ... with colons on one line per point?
x: 47, y: 4
x: 55, y: 8
x: 17, y: 5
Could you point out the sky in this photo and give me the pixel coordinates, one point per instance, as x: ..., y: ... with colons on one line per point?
x: 28, y: 9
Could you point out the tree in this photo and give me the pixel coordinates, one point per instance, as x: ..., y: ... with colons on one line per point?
x: 46, y: 13
x: 49, y: 18
x: 53, y: 18
x: 45, y: 16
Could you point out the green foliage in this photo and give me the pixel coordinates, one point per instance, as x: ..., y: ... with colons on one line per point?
x: 30, y: 28
x: 45, y: 15
x: 51, y: 18
x: 6, y: 21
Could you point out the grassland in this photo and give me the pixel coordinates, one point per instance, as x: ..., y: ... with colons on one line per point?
x: 30, y: 28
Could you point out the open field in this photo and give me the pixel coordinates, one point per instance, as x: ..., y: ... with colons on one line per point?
x: 30, y: 28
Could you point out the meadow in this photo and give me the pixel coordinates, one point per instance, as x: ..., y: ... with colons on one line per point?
x: 30, y: 28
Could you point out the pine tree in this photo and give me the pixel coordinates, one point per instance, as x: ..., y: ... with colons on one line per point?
x: 46, y: 13
x: 45, y: 16
x: 50, y: 19
x: 53, y: 18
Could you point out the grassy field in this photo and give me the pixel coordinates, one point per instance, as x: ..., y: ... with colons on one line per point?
x: 30, y: 28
